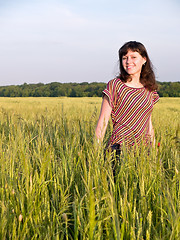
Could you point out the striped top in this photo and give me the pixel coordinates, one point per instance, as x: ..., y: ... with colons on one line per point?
x: 131, y: 111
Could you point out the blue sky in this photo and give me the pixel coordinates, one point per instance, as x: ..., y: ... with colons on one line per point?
x: 76, y: 41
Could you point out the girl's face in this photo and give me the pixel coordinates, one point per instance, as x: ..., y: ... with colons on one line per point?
x: 132, y: 63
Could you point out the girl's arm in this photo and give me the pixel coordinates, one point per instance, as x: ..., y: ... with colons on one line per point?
x: 103, y: 119
x: 151, y: 131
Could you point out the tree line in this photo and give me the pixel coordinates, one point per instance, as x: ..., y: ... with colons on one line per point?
x: 84, y: 89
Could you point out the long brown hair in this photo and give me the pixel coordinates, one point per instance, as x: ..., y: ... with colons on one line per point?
x: 147, y: 76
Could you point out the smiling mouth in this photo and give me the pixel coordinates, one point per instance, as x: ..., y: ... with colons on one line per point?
x: 129, y: 67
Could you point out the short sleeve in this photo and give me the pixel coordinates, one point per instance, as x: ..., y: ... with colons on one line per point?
x: 110, y: 92
x: 155, y: 97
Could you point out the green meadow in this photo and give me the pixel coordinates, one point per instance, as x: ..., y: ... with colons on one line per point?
x: 56, y: 184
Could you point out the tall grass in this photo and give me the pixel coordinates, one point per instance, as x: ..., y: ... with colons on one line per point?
x: 56, y: 184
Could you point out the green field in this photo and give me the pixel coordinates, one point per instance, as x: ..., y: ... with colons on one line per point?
x: 55, y: 183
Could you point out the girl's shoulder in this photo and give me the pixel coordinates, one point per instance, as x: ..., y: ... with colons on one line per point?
x: 115, y: 82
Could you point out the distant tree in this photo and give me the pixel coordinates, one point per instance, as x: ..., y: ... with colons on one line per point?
x: 73, y: 93
x: 84, y: 89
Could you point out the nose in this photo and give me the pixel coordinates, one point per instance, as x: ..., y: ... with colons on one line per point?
x: 128, y: 60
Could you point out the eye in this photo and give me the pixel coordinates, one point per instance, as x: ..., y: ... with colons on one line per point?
x: 124, y: 58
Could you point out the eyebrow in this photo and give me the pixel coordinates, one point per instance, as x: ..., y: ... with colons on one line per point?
x: 130, y: 54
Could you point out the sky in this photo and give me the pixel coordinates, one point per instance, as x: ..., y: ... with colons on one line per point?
x: 78, y: 40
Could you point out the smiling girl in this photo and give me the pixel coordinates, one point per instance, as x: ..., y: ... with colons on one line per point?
x: 129, y: 100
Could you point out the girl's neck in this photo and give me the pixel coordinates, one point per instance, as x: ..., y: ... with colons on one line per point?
x: 135, y: 82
